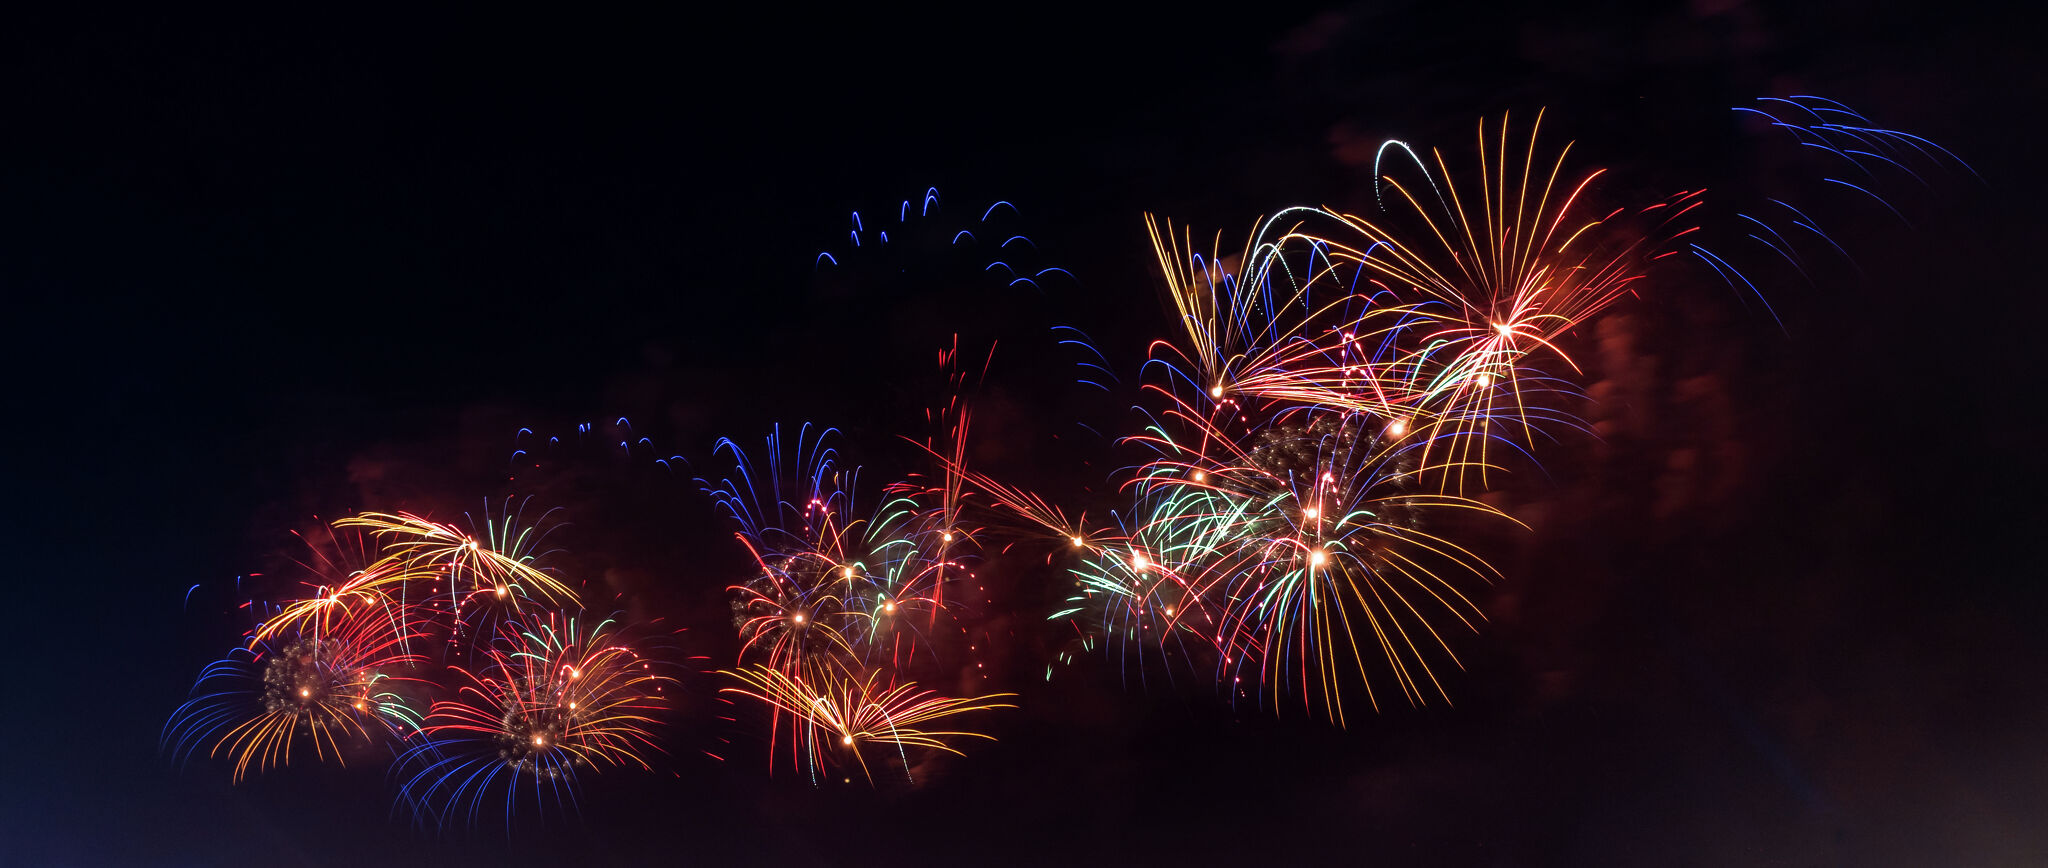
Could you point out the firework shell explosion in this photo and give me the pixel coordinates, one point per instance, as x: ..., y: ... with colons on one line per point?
x: 554, y: 701
x: 1342, y: 386
x: 380, y: 653
x: 836, y: 600
x: 1332, y: 394
x: 335, y: 680
x: 1335, y: 396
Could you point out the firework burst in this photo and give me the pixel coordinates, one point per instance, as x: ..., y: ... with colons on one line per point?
x: 844, y: 716
x: 332, y: 680
x: 1431, y: 317
x: 1337, y: 388
x: 485, y: 577
x: 552, y: 702
x: 828, y: 580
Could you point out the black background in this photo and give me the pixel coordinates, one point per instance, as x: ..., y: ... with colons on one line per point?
x: 260, y: 269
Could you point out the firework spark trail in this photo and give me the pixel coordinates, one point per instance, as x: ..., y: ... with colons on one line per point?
x: 1873, y: 156
x: 496, y: 566
x: 839, y: 711
x: 532, y: 451
x: 345, y: 574
x: 1001, y: 251
x: 940, y: 523
x: 1040, y: 520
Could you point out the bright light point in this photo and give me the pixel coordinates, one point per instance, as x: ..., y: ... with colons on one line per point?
x: 1316, y: 558
x: 501, y: 590
x: 1200, y: 476
x: 947, y: 536
x: 798, y: 617
x: 359, y: 705
x: 573, y: 673
x: 888, y: 607
x: 304, y: 693
x: 1169, y: 611
x: 1397, y: 427
x: 846, y: 572
x: 572, y: 705
x: 846, y: 739
x: 1077, y: 542
x: 1138, y: 561
x: 1309, y: 512
x: 1216, y: 391
x: 1503, y: 328
x: 1484, y: 380
x: 539, y: 741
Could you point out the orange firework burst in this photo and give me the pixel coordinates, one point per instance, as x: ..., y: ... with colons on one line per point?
x: 840, y: 712
x: 498, y: 565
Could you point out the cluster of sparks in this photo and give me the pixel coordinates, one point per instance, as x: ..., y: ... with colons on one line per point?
x: 452, y: 653
x: 843, y: 603
x: 1339, y: 396
x: 1342, y: 389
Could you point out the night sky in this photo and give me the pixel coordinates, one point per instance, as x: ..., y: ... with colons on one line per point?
x: 1781, y: 609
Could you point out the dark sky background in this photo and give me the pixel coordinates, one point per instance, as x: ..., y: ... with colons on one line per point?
x: 1784, y: 610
